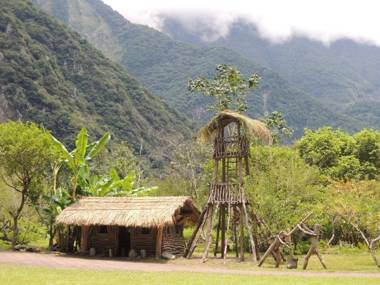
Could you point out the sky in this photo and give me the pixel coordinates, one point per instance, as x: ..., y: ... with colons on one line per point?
x: 276, y: 20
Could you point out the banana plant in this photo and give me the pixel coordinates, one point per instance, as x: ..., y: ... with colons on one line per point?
x: 77, y: 160
x: 50, y: 208
x: 112, y: 185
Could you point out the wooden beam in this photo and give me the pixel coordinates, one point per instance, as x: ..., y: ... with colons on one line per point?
x: 241, y: 234
x: 160, y: 230
x: 249, y: 228
x: 217, y: 234
x: 84, y: 239
x: 196, y: 234
x: 209, y: 233
x: 223, y: 227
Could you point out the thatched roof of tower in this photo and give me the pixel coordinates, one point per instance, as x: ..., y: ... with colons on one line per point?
x: 129, y: 211
x: 253, y: 128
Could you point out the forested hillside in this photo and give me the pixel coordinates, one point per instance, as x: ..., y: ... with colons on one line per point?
x: 51, y: 75
x: 164, y: 66
x: 344, y: 74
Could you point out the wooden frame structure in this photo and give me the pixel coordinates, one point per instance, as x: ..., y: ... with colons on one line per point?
x: 230, y: 133
x: 284, y: 239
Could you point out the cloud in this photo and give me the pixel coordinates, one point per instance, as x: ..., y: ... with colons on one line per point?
x: 324, y: 20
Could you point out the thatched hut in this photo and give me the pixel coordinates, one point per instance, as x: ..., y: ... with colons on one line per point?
x: 123, y: 226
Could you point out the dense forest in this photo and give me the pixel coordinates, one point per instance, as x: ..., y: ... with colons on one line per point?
x: 52, y: 76
x: 164, y: 65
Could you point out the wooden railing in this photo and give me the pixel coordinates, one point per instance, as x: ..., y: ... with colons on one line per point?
x: 226, y: 193
x: 234, y: 146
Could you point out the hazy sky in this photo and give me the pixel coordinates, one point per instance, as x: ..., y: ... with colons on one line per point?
x: 277, y: 20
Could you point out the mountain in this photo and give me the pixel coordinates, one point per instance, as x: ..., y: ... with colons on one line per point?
x: 53, y: 76
x: 345, y: 74
x: 164, y: 66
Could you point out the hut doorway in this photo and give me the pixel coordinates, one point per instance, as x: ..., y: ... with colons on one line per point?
x: 124, y: 241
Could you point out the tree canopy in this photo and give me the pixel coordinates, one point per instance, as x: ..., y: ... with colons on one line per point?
x: 228, y: 88
x: 340, y: 155
x: 25, y: 153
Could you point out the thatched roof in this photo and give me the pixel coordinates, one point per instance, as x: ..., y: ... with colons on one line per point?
x: 254, y: 128
x: 129, y: 211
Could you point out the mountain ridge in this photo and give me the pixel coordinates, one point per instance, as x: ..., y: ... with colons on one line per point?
x: 53, y: 76
x: 344, y: 74
x: 164, y: 66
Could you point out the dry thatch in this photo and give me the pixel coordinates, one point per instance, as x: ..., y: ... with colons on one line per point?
x: 129, y: 211
x: 254, y: 128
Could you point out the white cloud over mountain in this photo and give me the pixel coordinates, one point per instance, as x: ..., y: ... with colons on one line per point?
x: 277, y: 20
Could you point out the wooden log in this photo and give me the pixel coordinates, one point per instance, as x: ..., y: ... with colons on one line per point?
x: 209, y: 233
x: 253, y: 246
x: 277, y: 257
x: 241, y: 235
x: 196, y: 234
x: 217, y: 234
x: 223, y: 228
x: 235, y: 239
x: 320, y: 258
x: 271, y: 250
x: 226, y: 229
x: 159, y: 241
x: 314, y: 248
x: 84, y: 239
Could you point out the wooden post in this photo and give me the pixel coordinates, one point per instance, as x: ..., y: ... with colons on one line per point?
x: 314, y: 248
x: 216, y: 171
x: 196, y: 234
x: 227, y: 229
x: 84, y: 239
x: 160, y: 230
x: 253, y: 247
x: 209, y: 233
x: 270, y: 250
x: 241, y: 235
x: 235, y: 237
x: 217, y: 234
x: 223, y: 228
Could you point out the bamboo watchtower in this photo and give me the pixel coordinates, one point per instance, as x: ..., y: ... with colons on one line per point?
x: 230, y: 133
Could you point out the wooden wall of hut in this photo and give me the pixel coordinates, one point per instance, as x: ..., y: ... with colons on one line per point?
x: 173, y: 240
x: 103, y: 238
x: 144, y: 238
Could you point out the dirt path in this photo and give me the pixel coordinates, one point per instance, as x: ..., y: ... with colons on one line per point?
x: 72, y: 262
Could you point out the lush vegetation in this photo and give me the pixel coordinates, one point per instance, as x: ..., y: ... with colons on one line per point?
x: 40, y: 178
x: 52, y: 76
x: 165, y: 65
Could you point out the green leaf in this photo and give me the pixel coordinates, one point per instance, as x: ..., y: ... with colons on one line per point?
x: 98, y: 146
x: 60, y: 147
x: 81, y: 147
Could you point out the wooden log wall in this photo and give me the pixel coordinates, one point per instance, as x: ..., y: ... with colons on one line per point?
x: 102, y: 242
x: 140, y: 239
x: 173, y: 240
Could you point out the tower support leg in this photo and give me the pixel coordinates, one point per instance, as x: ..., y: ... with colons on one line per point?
x: 209, y: 233
x: 241, y: 222
x: 196, y: 234
x: 217, y: 233
x: 252, y: 241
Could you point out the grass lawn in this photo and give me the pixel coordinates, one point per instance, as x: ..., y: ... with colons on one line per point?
x: 354, y: 262
x: 342, y: 259
x: 12, y: 275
